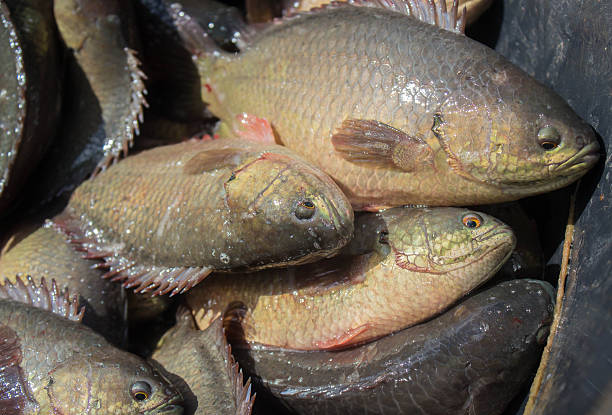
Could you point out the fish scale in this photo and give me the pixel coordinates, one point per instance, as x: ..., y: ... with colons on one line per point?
x: 431, y: 259
x: 309, y: 74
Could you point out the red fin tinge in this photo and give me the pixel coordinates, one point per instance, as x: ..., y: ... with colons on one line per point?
x: 44, y: 298
x: 127, y: 127
x: 252, y: 128
x: 433, y: 12
x: 141, y: 277
x: 14, y: 395
x: 345, y: 340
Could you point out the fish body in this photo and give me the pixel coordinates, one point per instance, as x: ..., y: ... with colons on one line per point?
x: 103, y: 111
x: 45, y: 253
x: 399, y: 111
x: 168, y: 216
x: 204, y: 369
x: 50, y: 364
x: 421, y: 261
x: 472, y: 359
x: 29, y: 91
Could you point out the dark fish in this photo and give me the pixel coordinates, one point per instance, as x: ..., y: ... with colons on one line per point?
x: 201, y: 364
x: 45, y: 253
x: 106, y: 100
x: 30, y: 78
x: 421, y: 261
x: 51, y: 363
x: 471, y: 360
x: 165, y: 218
x: 397, y: 109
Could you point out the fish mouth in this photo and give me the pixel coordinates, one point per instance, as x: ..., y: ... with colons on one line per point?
x: 584, y: 159
x: 173, y: 406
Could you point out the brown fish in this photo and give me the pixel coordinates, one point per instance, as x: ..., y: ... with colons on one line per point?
x: 473, y: 359
x: 50, y: 364
x: 165, y: 218
x: 423, y: 260
x: 201, y: 364
x: 30, y: 68
x: 107, y: 93
x: 398, y: 110
x: 45, y: 253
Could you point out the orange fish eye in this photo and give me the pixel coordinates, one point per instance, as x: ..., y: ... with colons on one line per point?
x: 305, y: 210
x: 472, y: 221
x: 140, y: 391
x: 549, y: 138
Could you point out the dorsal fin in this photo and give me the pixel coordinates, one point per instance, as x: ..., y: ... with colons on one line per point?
x: 242, y: 391
x: 433, y: 12
x: 42, y: 297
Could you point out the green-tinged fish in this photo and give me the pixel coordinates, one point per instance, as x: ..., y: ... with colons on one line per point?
x: 106, y: 97
x: 45, y: 253
x: 30, y: 77
x: 397, y: 109
x: 473, y: 359
x: 165, y: 218
x: 201, y: 365
x: 52, y: 364
x: 421, y: 261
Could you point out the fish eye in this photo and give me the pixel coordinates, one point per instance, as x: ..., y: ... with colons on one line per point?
x: 140, y: 391
x: 383, y: 237
x: 305, y: 210
x: 549, y: 138
x: 471, y: 220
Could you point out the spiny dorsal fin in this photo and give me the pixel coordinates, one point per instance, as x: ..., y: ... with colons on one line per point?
x: 115, y: 146
x: 42, y: 297
x: 377, y: 144
x: 433, y: 12
x: 241, y: 391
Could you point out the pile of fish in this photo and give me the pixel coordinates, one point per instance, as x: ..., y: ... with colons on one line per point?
x: 299, y: 196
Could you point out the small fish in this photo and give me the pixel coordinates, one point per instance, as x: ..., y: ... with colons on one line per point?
x: 165, y: 218
x: 107, y: 93
x: 30, y: 79
x: 473, y: 359
x: 201, y: 364
x: 422, y: 261
x: 50, y: 363
x: 397, y: 105
x: 45, y: 253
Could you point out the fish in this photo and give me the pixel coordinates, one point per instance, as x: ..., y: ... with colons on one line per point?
x: 51, y: 363
x: 30, y: 92
x: 398, y: 106
x: 473, y: 359
x: 419, y: 262
x: 473, y: 8
x: 108, y: 95
x: 163, y: 219
x: 46, y: 253
x: 201, y: 364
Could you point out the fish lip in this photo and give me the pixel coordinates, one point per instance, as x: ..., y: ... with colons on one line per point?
x: 586, y: 157
x: 173, y: 406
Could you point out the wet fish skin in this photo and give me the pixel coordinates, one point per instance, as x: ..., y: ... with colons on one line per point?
x: 470, y: 116
x: 200, y: 363
x: 67, y: 368
x: 30, y: 92
x: 45, y: 253
x: 197, y: 206
x: 422, y: 261
x: 472, y: 359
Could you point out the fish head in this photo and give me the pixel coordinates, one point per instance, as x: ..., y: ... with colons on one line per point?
x: 297, y: 212
x: 462, y: 246
x: 516, y: 134
x: 114, y: 382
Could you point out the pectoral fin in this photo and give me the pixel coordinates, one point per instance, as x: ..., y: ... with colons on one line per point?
x: 379, y: 145
x: 213, y: 159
